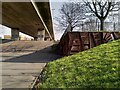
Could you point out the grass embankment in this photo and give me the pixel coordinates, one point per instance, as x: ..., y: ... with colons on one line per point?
x: 95, y: 68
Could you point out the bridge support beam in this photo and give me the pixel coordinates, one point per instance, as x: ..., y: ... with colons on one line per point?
x: 14, y: 34
x: 41, y: 35
x: 35, y: 38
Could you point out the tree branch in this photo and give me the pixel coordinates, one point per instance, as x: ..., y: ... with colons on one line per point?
x: 108, y: 10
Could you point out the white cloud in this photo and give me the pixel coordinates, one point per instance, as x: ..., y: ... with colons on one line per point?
x: 4, y: 31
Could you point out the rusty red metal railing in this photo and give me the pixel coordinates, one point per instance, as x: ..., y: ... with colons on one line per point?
x: 73, y: 42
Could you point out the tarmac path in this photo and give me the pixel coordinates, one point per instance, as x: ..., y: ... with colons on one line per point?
x: 20, y: 70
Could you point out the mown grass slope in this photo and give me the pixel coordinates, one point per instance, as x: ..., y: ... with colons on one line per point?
x: 94, y: 68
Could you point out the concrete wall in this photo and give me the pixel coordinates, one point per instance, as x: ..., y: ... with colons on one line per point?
x: 14, y: 34
x: 41, y: 35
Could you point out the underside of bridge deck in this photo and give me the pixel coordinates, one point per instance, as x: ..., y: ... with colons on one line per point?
x: 28, y: 18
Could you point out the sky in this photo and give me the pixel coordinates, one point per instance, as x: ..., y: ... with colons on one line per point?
x: 7, y: 31
x: 4, y: 31
x: 55, y: 5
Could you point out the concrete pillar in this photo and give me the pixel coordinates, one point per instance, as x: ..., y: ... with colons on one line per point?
x: 47, y: 38
x: 35, y: 38
x: 15, y: 34
x: 41, y: 35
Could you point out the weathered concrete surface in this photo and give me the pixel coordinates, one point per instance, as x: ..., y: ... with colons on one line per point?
x: 14, y: 34
x: 20, y: 75
x: 20, y: 71
x: 23, y: 16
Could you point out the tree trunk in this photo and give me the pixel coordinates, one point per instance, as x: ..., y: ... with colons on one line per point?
x: 71, y: 29
x: 101, y: 24
x: 101, y: 29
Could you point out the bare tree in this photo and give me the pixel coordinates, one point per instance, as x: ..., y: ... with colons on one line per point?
x: 70, y: 15
x: 101, y: 9
x: 90, y: 24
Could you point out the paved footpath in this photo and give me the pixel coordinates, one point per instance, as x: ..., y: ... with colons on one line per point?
x: 20, y: 71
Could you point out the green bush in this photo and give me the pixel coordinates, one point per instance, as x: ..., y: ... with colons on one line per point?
x: 94, y: 68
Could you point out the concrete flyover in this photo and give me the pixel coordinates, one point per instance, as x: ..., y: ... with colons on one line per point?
x: 32, y: 18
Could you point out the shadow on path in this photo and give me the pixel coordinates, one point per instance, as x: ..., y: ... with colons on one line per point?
x: 6, y: 40
x: 42, y: 56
